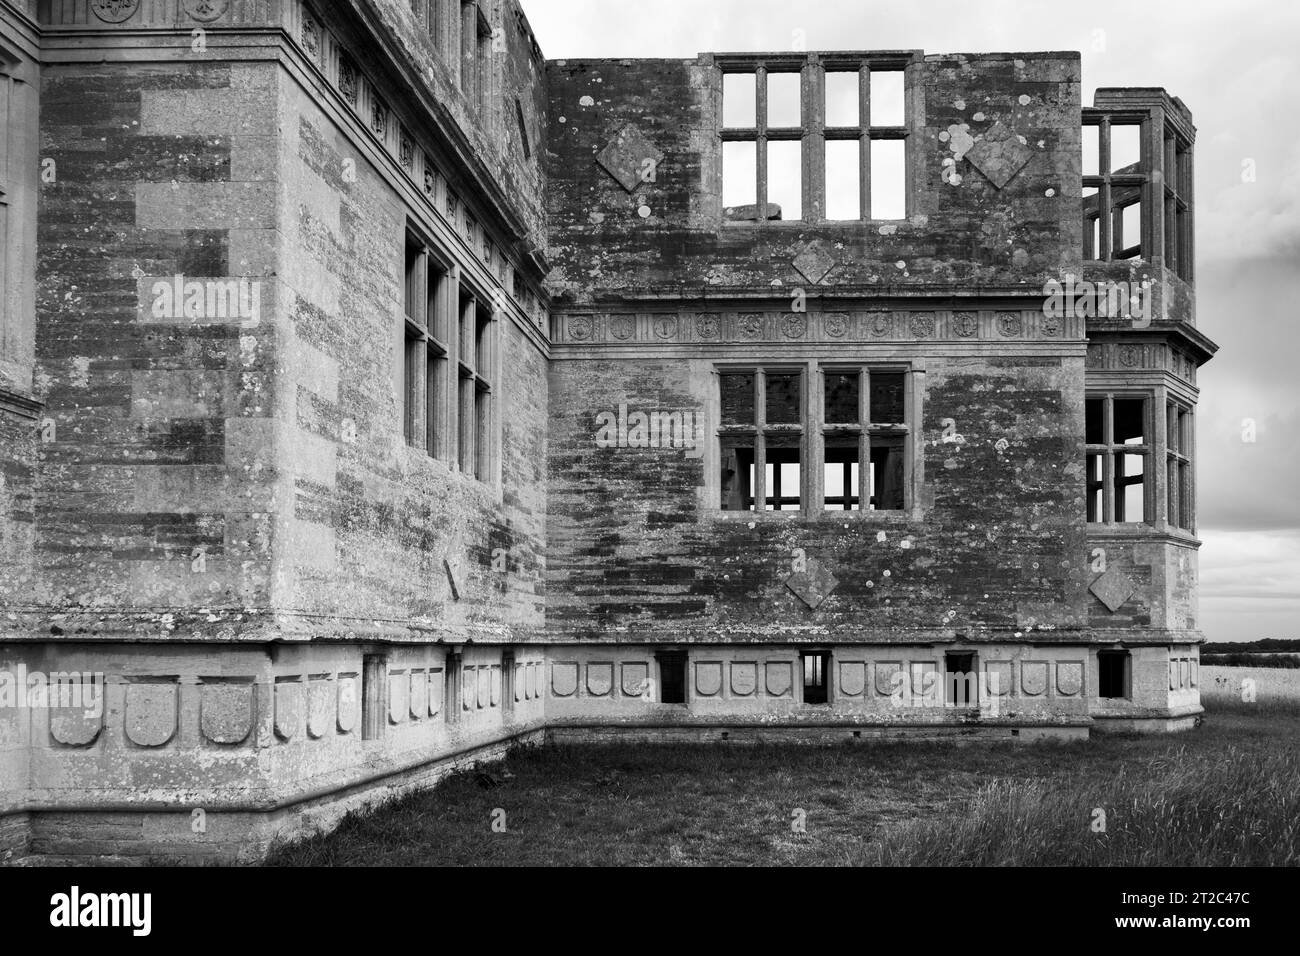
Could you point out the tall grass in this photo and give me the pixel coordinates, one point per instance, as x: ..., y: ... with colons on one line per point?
x: 1234, y: 808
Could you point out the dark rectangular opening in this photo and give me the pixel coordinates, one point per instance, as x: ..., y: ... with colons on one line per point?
x: 816, y: 677
x: 887, y: 390
x: 887, y: 474
x: 960, y: 678
x: 784, y: 406
x: 672, y: 677
x: 738, y: 476
x: 1112, y: 674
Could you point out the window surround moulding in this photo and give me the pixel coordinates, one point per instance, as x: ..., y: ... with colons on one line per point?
x: 811, y: 428
x: 814, y: 134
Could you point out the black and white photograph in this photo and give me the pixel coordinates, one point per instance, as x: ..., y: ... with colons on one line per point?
x: 650, y: 434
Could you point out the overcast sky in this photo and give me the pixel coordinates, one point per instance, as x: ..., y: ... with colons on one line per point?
x: 1236, y: 67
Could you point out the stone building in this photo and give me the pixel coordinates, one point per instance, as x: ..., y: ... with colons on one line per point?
x: 377, y: 395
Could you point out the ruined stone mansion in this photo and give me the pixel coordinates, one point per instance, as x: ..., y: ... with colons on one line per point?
x: 376, y: 395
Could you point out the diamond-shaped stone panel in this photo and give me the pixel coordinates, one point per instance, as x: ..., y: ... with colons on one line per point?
x: 628, y: 155
x: 999, y: 155
x: 1113, y: 588
x: 814, y: 263
x: 812, y: 586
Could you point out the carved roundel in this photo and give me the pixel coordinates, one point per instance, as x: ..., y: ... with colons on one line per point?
x: 837, y: 325
x: 206, y: 11
x: 1130, y: 356
x: 622, y: 327
x: 665, y: 326
x: 580, y: 328
x: 114, y: 11
x: 880, y: 324
x: 923, y: 325
x: 706, y: 326
x: 794, y: 326
x: 751, y: 326
x: 1009, y: 323
x: 965, y: 324
x: 1051, y: 326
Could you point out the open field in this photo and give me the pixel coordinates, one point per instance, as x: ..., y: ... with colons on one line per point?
x: 1227, y: 689
x: 1227, y: 793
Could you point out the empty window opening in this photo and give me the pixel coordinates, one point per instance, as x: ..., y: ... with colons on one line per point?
x: 477, y: 363
x: 785, y: 178
x: 784, y: 93
x: 739, y: 174
x: 816, y: 673
x: 843, y: 475
x: 783, y: 477
x: 1125, y: 148
x: 766, y: 465
x: 672, y: 677
x: 789, y: 131
x: 1091, y: 151
x: 887, y: 99
x: 960, y: 679
x: 1113, y: 674
x: 426, y: 404
x: 1091, y: 223
x: 888, y: 179
x: 1118, y: 449
x: 887, y: 397
x: 886, y: 474
x: 842, y: 95
x: 739, y: 100
x: 843, y: 398
x: 760, y: 440
x: 783, y: 399
x: 1178, y: 458
x: 843, y: 179
x: 1127, y: 243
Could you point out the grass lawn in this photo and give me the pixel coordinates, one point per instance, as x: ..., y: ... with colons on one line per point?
x: 1227, y: 793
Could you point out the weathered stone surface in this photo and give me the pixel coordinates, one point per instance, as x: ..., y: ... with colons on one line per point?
x: 814, y: 585
x: 630, y: 158
x: 1033, y: 678
x: 999, y: 155
x: 635, y: 675
x: 151, y: 711
x: 289, y: 709
x: 226, y: 711
x: 744, y: 678
x: 779, y: 681
x: 708, y: 678
x: 1113, y: 588
x: 853, y: 678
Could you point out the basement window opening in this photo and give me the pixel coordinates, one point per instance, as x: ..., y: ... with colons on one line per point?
x: 816, y: 681
x: 672, y: 677
x: 961, y: 678
x: 1113, y: 674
